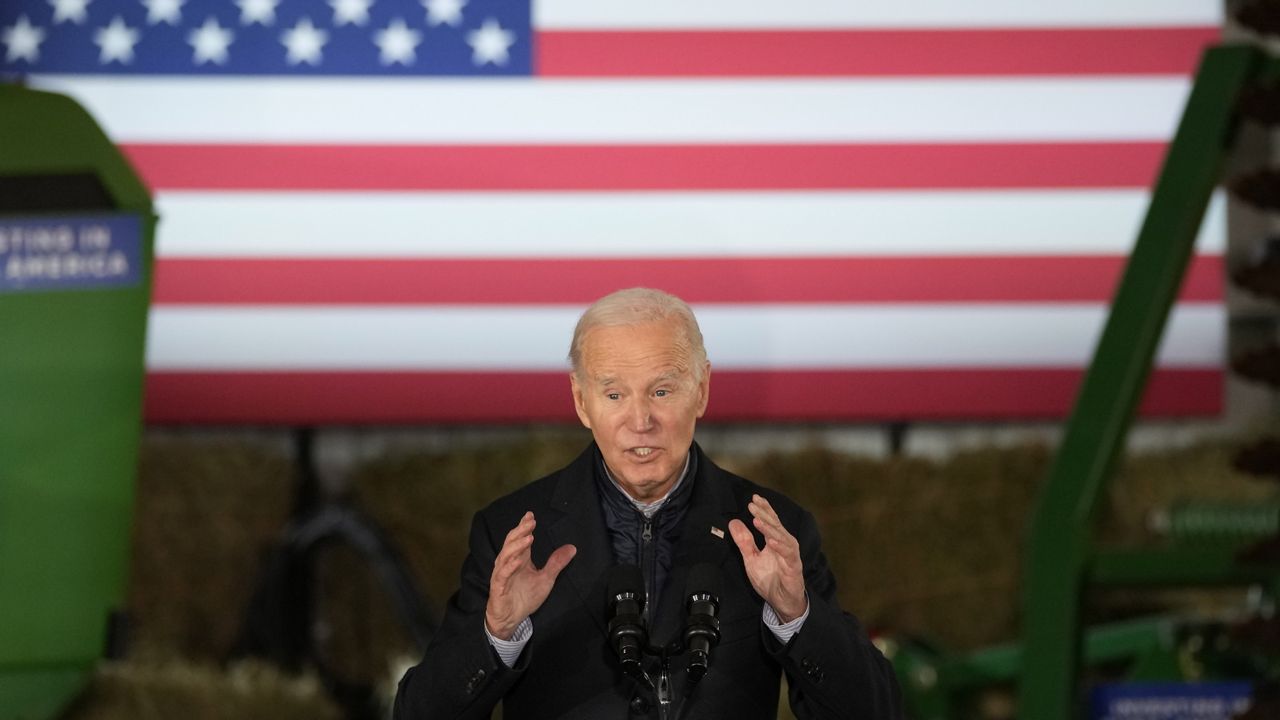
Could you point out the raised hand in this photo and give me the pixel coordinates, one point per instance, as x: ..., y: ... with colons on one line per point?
x: 516, y: 587
x: 775, y: 571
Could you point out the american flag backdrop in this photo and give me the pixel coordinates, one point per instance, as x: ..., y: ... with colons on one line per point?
x: 394, y: 210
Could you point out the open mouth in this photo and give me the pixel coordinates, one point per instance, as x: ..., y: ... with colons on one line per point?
x: 643, y: 452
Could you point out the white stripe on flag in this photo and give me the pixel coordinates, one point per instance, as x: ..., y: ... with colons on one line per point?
x: 387, y: 111
x: 712, y: 224
x: 733, y: 14
x: 738, y: 337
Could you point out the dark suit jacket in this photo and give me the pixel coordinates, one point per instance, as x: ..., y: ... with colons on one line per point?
x: 568, y: 671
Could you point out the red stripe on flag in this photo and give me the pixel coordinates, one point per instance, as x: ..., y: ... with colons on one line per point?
x: 431, y: 397
x: 647, y: 167
x: 698, y: 280
x: 988, y: 52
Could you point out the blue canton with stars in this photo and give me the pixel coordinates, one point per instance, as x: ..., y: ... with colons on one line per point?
x: 266, y: 37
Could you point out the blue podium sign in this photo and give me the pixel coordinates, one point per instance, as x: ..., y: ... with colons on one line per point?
x: 77, y: 252
x: 1171, y: 701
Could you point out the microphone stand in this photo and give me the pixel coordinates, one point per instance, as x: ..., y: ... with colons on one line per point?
x: 662, y: 689
x: 701, y: 633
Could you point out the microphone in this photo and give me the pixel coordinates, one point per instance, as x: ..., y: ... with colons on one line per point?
x: 625, y: 599
x: 701, y: 626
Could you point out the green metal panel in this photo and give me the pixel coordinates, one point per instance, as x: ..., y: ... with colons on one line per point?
x: 1210, y: 565
x: 1062, y: 527
x: 71, y: 373
x: 40, y: 693
x: 49, y: 133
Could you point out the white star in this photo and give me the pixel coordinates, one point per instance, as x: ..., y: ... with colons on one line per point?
x: 210, y: 42
x: 167, y: 11
x: 355, y: 12
x: 117, y: 41
x: 490, y: 43
x: 73, y: 10
x: 304, y: 42
x: 262, y: 12
x: 23, y: 40
x: 447, y: 12
x: 397, y: 43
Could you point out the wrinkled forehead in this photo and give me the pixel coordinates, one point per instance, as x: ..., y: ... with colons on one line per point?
x: 626, y: 377
x: 636, y: 353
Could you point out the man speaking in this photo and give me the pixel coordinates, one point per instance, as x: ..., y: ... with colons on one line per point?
x: 642, y: 580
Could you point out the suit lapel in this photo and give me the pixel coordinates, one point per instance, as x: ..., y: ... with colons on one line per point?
x: 576, y: 519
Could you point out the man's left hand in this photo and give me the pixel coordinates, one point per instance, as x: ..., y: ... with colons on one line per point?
x: 775, y: 571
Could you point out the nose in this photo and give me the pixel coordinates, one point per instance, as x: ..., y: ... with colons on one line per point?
x: 640, y: 417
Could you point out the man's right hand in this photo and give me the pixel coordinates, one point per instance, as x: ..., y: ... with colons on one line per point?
x: 517, y: 588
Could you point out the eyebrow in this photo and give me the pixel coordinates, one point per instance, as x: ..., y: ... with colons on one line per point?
x: 669, y: 375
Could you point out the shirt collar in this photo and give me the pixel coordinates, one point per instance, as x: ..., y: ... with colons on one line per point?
x: 649, y: 508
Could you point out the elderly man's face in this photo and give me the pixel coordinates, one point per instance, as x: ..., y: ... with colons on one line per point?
x: 639, y: 397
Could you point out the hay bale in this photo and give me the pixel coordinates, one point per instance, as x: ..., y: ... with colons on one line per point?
x: 920, y: 547
x: 425, y: 500
x: 197, y: 691
x: 205, y: 515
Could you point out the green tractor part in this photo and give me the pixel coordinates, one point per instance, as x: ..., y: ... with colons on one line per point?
x: 1062, y: 560
x: 938, y: 685
x: 76, y: 228
x: 1204, y: 542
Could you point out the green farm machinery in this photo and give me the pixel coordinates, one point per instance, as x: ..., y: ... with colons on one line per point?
x: 76, y: 229
x: 1208, y: 546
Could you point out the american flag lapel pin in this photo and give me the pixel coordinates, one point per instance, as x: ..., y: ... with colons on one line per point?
x: 717, y: 532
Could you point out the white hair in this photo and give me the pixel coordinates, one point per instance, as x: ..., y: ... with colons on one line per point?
x: 639, y: 306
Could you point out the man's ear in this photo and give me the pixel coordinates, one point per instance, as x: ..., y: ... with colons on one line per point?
x: 704, y: 389
x: 579, y: 403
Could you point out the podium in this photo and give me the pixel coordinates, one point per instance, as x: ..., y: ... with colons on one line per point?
x: 76, y: 250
